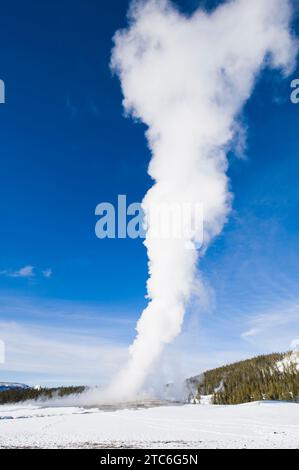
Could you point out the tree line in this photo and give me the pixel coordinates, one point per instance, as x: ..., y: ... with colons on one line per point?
x: 23, y: 394
x: 263, y: 377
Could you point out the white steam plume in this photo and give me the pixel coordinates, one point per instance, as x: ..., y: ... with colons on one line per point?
x: 187, y: 78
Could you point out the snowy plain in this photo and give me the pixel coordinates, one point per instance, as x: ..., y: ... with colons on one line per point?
x: 254, y: 425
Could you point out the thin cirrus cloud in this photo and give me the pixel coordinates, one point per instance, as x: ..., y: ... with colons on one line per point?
x: 58, y: 356
x: 250, y: 333
x: 51, y: 342
x: 47, y: 273
x: 26, y: 272
x: 274, y: 326
x: 54, y: 342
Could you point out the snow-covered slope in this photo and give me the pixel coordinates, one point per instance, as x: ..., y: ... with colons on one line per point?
x: 288, y: 361
x: 241, y: 382
x: 254, y: 425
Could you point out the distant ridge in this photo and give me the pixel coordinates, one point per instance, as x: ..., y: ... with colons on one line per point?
x: 15, y: 393
x: 268, y: 377
x: 5, y: 386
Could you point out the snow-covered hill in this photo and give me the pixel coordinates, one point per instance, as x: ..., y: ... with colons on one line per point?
x: 267, y: 377
x: 4, y: 386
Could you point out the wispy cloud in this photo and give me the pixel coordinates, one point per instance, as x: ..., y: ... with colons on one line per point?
x: 275, y: 326
x: 25, y: 272
x: 55, y: 353
x: 215, y: 339
x: 54, y: 311
x: 47, y: 273
x: 59, y: 341
x: 62, y: 342
x: 71, y: 107
x: 250, y: 333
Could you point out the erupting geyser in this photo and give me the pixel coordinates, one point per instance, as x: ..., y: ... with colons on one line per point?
x: 187, y: 78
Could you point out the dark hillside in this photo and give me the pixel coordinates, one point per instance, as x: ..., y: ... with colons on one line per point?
x: 23, y: 394
x: 270, y: 377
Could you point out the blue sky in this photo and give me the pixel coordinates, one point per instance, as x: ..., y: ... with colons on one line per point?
x: 65, y: 147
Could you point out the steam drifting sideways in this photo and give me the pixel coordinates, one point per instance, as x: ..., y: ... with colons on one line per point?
x: 187, y: 78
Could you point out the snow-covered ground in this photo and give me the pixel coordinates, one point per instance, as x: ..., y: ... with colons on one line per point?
x: 254, y: 425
